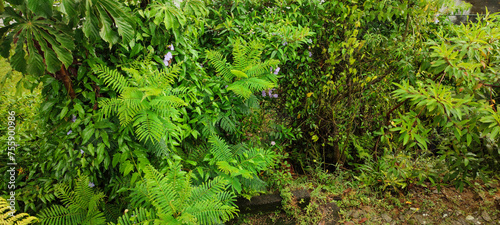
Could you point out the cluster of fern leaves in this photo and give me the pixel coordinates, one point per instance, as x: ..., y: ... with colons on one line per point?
x: 247, y: 74
x: 171, y: 199
x: 81, y: 206
x: 146, y: 100
x: 238, y: 164
x: 19, y: 219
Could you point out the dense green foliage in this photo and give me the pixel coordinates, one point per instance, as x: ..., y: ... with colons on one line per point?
x: 173, y: 109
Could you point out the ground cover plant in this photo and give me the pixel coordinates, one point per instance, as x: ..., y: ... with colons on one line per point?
x: 166, y: 112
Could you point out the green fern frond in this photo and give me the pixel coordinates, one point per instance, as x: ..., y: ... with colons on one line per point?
x: 19, y: 219
x: 227, y: 168
x: 109, y: 106
x: 148, y: 126
x: 208, y: 189
x: 162, y: 191
x: 80, y: 206
x: 165, y: 102
x: 240, y: 90
x: 219, y: 149
x: 113, y: 78
x: 127, y: 114
x: 255, y: 51
x: 212, y: 212
x: 138, y: 216
x: 220, y: 63
x: 251, y: 103
x: 227, y: 124
x: 175, y: 201
x: 139, y: 197
x: 263, y: 70
x: 137, y: 79
x: 255, y: 84
x: 150, y: 91
x: 61, y: 215
x: 168, y: 75
x: 240, y: 52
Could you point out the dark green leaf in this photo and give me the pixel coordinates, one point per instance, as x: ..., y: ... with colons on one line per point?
x: 41, y: 7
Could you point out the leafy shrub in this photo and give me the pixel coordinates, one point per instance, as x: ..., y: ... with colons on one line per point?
x: 397, y: 172
x: 458, y: 98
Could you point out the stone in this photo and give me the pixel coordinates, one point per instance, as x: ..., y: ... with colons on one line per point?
x: 330, y: 214
x: 486, y: 216
x: 386, y: 217
x: 445, y: 215
x: 469, y: 217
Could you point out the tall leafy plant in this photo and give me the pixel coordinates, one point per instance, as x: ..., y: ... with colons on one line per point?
x: 46, y: 29
x: 459, y: 98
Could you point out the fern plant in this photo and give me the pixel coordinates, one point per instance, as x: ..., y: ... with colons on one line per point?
x: 238, y: 164
x: 226, y: 106
x: 7, y: 216
x: 171, y: 199
x: 247, y: 74
x: 81, y: 206
x: 146, y: 100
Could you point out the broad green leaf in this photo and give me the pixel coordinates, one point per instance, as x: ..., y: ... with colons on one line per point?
x: 63, y: 54
x: 87, y: 134
x: 63, y: 112
x: 91, y: 149
x: 41, y: 7
x: 494, y: 132
x: 128, y: 168
x: 100, y: 152
x: 91, y: 24
x: 469, y: 139
x: 107, y: 33
x: 18, y: 62
x: 116, y: 159
x: 35, y: 64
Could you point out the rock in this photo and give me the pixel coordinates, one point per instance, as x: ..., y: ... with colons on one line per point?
x: 469, y: 217
x: 413, y: 209
x: 270, y: 202
x: 386, y: 217
x: 445, y: 215
x: 486, y: 216
x: 330, y: 214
